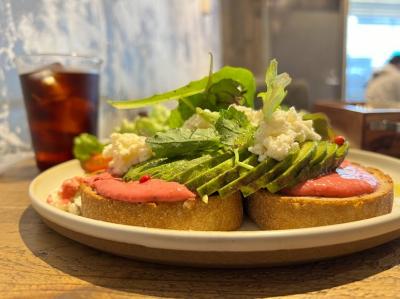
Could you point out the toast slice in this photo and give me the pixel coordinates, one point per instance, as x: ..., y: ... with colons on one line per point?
x: 219, y: 214
x: 275, y: 211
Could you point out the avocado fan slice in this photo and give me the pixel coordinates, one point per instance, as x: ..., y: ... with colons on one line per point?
x: 134, y: 170
x: 340, y: 154
x: 173, y: 173
x: 314, y: 170
x: 164, y: 169
x: 195, y: 170
x: 271, y: 174
x: 247, y: 177
x: 305, y: 155
x: 225, y: 178
x: 209, y: 174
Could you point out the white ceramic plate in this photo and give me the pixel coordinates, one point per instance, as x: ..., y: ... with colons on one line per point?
x: 246, y: 247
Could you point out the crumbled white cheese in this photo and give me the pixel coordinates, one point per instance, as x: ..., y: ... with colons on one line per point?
x: 72, y: 206
x: 254, y: 116
x: 281, y: 134
x: 197, y: 121
x: 126, y: 150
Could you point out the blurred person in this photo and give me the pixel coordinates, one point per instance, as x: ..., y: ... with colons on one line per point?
x: 383, y: 89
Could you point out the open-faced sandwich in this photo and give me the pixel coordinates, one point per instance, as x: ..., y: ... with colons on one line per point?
x: 200, y: 161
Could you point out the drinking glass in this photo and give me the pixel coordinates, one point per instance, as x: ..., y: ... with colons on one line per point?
x: 61, y: 95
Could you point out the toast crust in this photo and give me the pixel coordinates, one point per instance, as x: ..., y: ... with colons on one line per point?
x: 220, y: 214
x: 274, y: 211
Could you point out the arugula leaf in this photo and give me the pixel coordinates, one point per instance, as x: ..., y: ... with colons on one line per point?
x: 184, y: 142
x: 276, y: 92
x: 85, y: 145
x: 192, y: 88
x: 243, y: 78
x: 235, y: 128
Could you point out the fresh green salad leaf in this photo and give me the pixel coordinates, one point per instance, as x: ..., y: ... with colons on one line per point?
x: 184, y: 142
x: 240, y: 78
x: 85, y: 145
x: 192, y: 88
x: 186, y: 108
x: 276, y: 92
x: 157, y: 121
x: 235, y: 128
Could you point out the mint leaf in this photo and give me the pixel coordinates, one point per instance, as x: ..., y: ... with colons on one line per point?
x: 184, y: 142
x: 276, y: 92
x: 86, y: 145
x: 235, y: 129
x: 243, y: 78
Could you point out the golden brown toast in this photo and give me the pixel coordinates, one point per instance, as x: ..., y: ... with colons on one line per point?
x: 219, y: 214
x: 275, y: 211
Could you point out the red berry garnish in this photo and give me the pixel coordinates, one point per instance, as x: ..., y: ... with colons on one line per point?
x: 339, y: 140
x: 144, y: 179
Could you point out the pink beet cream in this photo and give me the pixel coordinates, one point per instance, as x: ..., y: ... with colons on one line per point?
x: 153, y: 190
x: 347, y: 180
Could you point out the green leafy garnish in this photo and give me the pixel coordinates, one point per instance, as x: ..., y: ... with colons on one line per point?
x: 276, y: 92
x: 184, y: 142
x: 235, y: 128
x: 157, y: 121
x: 86, y: 145
x: 242, y: 78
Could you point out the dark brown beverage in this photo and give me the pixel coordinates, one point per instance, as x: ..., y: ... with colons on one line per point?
x: 60, y: 104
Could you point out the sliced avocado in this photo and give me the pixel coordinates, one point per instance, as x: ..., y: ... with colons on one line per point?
x: 321, y: 124
x: 170, y: 173
x: 320, y: 153
x: 341, y: 154
x: 264, y: 179
x: 313, y: 171
x: 174, y: 173
x: 247, y: 177
x: 305, y: 155
x: 195, y: 170
x: 134, y: 171
x: 164, y: 170
x: 206, y: 176
x: 326, y: 164
x: 225, y: 178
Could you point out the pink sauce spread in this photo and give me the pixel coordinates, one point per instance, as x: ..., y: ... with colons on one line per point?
x: 152, y: 190
x: 347, y: 180
x: 68, y: 190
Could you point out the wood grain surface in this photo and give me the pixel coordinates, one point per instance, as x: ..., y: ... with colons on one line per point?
x: 36, y: 262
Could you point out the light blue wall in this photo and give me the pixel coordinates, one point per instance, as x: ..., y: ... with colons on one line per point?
x: 147, y: 46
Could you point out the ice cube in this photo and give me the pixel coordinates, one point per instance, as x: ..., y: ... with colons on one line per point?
x: 48, y: 86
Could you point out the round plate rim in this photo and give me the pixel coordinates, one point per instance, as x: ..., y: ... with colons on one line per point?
x: 235, y: 241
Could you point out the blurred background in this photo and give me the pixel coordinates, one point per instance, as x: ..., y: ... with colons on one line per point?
x: 329, y: 47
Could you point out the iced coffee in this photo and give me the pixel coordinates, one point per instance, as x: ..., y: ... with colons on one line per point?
x: 61, y: 102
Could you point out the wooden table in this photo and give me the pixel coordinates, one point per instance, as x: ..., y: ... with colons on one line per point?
x: 36, y: 262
